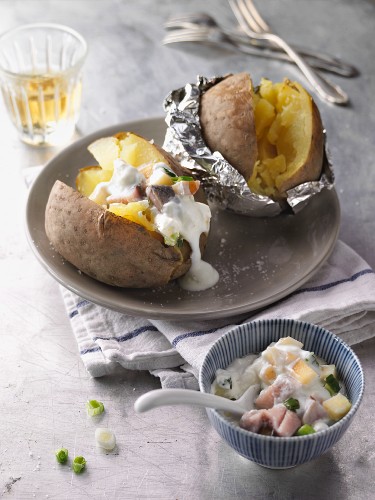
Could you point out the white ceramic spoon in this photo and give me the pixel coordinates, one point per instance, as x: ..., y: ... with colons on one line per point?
x: 168, y: 397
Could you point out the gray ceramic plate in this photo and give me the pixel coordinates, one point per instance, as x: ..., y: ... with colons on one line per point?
x: 259, y: 260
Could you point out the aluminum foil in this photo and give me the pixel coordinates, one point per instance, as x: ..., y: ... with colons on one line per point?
x: 223, y: 185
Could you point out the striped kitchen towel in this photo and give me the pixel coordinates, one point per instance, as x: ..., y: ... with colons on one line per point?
x: 340, y: 297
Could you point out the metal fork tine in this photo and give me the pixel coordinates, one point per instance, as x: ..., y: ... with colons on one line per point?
x: 250, y: 20
x: 184, y: 18
x: 186, y: 32
x: 184, y: 35
x: 241, y: 4
x: 180, y: 18
x: 238, y: 14
x: 256, y: 16
x: 172, y: 21
x: 172, y: 24
x: 254, y: 25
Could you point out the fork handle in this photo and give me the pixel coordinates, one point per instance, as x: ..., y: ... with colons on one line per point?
x: 326, y: 90
x: 337, y: 65
x: 316, y: 59
x: 273, y: 52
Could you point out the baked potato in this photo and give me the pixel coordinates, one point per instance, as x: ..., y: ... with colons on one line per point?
x: 114, y: 229
x: 273, y: 134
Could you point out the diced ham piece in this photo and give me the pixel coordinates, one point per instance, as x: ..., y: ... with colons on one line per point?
x: 281, y: 389
x: 265, y: 399
x: 291, y: 422
x: 277, y: 414
x: 186, y: 187
x: 255, y: 420
x: 281, y: 421
x: 314, y: 411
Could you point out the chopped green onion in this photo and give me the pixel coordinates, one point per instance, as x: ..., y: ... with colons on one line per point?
x: 169, y: 172
x: 312, y: 359
x: 332, y: 385
x: 94, y: 407
x: 61, y: 455
x: 305, y: 430
x: 172, y: 240
x: 105, y: 438
x: 179, y: 242
x: 182, y: 178
x: 225, y: 382
x: 79, y: 463
x: 291, y: 404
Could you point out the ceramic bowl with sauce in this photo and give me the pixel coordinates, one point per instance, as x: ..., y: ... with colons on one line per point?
x: 282, y: 452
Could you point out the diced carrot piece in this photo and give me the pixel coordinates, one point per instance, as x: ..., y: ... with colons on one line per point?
x: 194, y: 186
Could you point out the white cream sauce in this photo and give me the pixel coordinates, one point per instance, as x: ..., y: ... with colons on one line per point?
x: 238, y: 376
x: 184, y: 216
x: 122, y: 183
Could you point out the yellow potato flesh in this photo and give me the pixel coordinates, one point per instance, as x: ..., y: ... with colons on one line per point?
x: 105, y: 151
x: 136, y: 211
x: 135, y: 151
x: 88, y: 178
x: 129, y: 147
x: 284, y: 129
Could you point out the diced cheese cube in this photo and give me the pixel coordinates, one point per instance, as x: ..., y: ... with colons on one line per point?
x: 279, y: 357
x: 337, y: 406
x: 273, y: 355
x: 268, y: 374
x: 303, y: 373
x: 289, y: 357
x: 326, y: 370
x: 160, y: 178
x: 289, y: 341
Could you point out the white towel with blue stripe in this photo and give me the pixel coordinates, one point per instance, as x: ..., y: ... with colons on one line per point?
x: 340, y: 297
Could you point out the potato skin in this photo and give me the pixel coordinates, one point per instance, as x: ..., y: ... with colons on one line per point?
x: 107, y: 247
x: 227, y: 121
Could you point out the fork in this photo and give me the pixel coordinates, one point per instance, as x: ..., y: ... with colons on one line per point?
x: 219, y: 38
x: 214, y: 37
x: 317, y: 59
x: 244, y: 14
x: 190, y: 32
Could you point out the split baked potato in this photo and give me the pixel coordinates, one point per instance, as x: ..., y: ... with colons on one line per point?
x: 272, y: 134
x: 116, y: 240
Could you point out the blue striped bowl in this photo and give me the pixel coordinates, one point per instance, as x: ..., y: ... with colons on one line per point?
x: 278, y: 452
